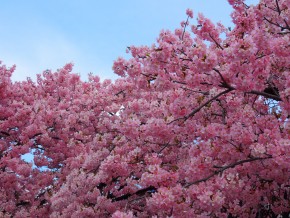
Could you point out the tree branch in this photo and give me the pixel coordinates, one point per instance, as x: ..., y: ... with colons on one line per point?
x: 225, y: 168
x: 278, y: 25
x: 224, y: 83
x: 207, y: 102
x: 278, y: 7
x: 267, y: 95
x: 201, y: 106
x: 185, y: 25
x: 140, y: 192
x: 217, y: 44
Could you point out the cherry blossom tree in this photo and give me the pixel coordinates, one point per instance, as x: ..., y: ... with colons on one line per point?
x: 197, y: 125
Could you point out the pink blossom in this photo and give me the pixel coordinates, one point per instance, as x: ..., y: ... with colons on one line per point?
x: 189, y: 13
x: 119, y: 214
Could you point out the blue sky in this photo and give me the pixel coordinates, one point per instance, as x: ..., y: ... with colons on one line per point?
x: 39, y: 35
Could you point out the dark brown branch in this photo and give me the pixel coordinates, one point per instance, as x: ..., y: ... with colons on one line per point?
x: 175, y: 81
x: 35, y: 135
x: 186, y: 59
x: 6, y: 134
x: 278, y: 7
x: 267, y: 95
x: 118, y: 93
x: 278, y: 25
x: 201, y: 106
x: 221, y: 169
x: 224, y: 83
x: 140, y: 192
x: 264, y: 93
x: 207, y: 102
x: 22, y: 203
x: 206, y: 84
x: 40, y: 148
x: 217, y: 44
x: 166, y: 145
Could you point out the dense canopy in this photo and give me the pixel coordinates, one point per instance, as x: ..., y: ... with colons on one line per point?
x: 197, y: 125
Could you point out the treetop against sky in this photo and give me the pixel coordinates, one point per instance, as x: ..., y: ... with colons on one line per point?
x: 41, y: 35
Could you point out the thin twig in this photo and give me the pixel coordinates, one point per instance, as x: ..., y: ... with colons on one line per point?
x: 166, y: 145
x: 185, y: 25
x: 225, y: 168
x: 278, y: 8
x: 217, y: 44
